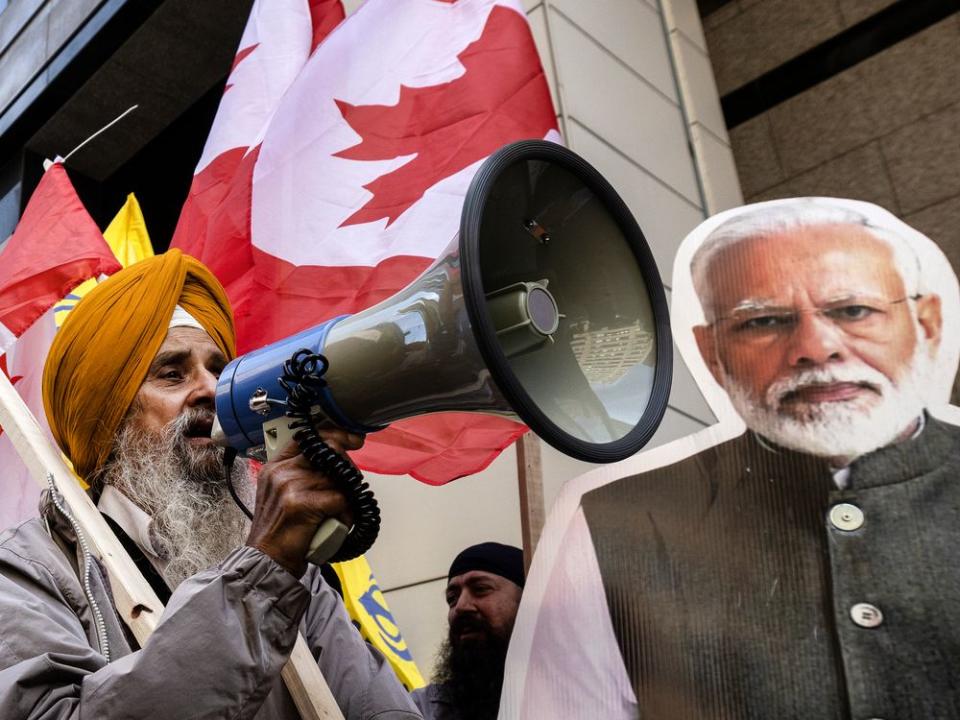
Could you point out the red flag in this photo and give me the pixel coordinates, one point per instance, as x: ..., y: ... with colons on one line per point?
x: 55, y: 247
x: 356, y: 181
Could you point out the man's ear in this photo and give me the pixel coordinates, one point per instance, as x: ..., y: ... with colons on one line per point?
x: 707, y: 344
x: 931, y: 319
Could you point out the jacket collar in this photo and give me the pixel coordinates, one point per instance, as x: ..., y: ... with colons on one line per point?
x: 926, y: 450
x: 921, y: 454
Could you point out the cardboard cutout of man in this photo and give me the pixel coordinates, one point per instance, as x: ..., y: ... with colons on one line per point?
x: 802, y: 567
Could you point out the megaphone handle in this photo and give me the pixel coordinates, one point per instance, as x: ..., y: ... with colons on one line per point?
x: 326, y: 541
x: 331, y: 533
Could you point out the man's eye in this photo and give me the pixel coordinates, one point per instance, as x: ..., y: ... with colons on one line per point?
x: 171, y: 375
x: 847, y: 313
x: 764, y: 322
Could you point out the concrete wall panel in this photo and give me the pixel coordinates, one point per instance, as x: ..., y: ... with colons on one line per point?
x: 624, y: 109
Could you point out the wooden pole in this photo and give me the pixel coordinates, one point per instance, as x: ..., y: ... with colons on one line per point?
x: 532, y: 508
x: 136, y: 602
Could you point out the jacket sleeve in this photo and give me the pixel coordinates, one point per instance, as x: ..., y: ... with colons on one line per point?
x: 359, y: 677
x: 220, y: 644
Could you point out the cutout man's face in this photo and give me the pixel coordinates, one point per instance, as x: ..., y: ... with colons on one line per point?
x: 812, y: 328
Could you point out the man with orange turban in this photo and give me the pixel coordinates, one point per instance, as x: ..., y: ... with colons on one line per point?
x: 129, y: 393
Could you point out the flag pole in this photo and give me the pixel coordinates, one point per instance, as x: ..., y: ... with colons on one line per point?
x: 530, y: 480
x: 136, y: 602
x: 106, y: 127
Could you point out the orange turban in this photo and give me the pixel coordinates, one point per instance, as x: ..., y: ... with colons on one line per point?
x: 101, y: 355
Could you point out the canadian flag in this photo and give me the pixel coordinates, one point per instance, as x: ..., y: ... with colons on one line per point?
x: 55, y: 247
x: 354, y: 181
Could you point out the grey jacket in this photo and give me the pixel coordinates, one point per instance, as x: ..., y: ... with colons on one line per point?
x: 217, y: 652
x: 434, y: 703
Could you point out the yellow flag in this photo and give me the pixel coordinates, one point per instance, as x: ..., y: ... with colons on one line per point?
x: 127, y: 237
x: 368, y: 608
x: 127, y: 234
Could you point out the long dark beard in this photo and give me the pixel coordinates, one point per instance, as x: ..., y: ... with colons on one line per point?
x: 472, y: 671
x: 195, y: 521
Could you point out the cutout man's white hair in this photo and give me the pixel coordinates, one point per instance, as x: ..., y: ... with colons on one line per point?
x: 766, y: 221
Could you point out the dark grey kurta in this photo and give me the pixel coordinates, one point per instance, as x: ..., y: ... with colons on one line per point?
x: 731, y: 592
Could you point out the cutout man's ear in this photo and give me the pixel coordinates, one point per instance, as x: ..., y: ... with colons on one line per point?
x: 707, y: 344
x: 930, y: 319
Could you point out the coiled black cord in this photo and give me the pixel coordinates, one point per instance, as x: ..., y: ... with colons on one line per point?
x: 302, y: 380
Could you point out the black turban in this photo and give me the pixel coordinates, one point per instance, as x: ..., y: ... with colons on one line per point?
x: 503, y: 560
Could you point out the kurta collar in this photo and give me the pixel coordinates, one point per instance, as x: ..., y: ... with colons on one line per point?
x: 132, y: 520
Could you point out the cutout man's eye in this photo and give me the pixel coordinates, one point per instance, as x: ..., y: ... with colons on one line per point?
x: 765, y: 322
x: 850, y: 312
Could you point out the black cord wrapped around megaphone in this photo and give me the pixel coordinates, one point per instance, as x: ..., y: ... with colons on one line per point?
x: 303, y: 381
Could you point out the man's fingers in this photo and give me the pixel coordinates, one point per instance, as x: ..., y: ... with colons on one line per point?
x: 325, y: 503
x: 335, y: 444
x: 341, y: 440
x: 291, y: 449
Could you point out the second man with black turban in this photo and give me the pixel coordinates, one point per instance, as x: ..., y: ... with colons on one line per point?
x: 484, y: 585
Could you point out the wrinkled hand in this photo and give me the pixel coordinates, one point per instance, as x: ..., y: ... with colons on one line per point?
x: 293, y: 499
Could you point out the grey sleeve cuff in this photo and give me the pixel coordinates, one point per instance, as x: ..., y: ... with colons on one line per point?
x: 264, y: 575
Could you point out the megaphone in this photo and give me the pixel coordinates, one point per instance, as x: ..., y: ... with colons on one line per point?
x: 546, y: 307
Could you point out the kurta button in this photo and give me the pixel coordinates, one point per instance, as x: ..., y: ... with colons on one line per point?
x: 845, y: 516
x: 866, y: 615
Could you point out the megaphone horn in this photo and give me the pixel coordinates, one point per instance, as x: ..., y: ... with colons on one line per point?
x: 547, y: 307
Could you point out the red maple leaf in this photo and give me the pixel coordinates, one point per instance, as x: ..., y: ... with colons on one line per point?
x: 241, y: 56
x: 13, y: 380
x: 501, y: 97
x: 325, y: 15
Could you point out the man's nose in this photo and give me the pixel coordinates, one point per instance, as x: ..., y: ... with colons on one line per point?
x: 204, y: 389
x: 464, y: 604
x: 815, y: 341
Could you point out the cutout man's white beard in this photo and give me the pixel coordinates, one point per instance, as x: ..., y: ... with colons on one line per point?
x: 845, y: 429
x: 195, y: 520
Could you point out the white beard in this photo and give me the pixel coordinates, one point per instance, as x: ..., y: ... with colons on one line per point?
x: 837, y: 429
x: 195, y: 522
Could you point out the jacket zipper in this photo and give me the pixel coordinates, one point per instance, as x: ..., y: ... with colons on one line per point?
x: 87, y: 563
